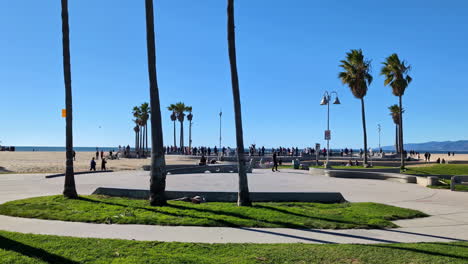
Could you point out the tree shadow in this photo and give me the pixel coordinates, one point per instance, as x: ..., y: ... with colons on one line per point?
x: 2, y: 169
x: 439, y: 254
x: 32, y: 252
x: 287, y: 235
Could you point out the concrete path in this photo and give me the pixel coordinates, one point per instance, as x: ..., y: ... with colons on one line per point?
x: 448, y: 210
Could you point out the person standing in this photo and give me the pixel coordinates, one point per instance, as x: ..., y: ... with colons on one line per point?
x: 92, y: 165
x: 97, y: 154
x: 74, y: 155
x: 275, y: 162
x: 103, y: 164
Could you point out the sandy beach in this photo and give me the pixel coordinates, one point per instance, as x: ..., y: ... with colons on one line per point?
x: 48, y: 161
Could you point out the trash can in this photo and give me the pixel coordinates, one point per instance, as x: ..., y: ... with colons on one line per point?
x: 295, y: 163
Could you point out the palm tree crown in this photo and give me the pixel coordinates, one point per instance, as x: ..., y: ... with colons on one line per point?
x: 356, y: 73
x: 396, y: 74
x: 395, y: 113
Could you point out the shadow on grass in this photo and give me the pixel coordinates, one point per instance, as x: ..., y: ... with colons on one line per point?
x: 427, y: 252
x: 32, y: 252
x: 3, y: 170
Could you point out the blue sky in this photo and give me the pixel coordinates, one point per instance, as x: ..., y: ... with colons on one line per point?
x: 288, y: 55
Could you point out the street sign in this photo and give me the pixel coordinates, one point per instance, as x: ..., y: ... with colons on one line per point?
x: 327, y: 134
x: 64, y: 112
x: 317, y: 147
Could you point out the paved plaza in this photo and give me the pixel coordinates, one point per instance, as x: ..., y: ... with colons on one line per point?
x: 448, y: 210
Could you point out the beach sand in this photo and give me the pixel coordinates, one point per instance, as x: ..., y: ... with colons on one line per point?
x: 54, y: 162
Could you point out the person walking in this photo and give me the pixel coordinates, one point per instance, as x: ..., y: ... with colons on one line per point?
x: 74, y: 155
x: 103, y: 164
x: 275, y: 162
x: 93, y: 165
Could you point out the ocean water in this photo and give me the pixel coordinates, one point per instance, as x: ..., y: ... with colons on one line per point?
x: 77, y: 149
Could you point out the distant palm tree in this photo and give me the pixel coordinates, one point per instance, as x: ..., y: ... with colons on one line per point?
x: 243, y: 198
x: 158, y: 162
x: 180, y: 109
x: 137, y: 134
x: 189, y: 118
x: 137, y: 114
x: 173, y: 119
x: 396, y: 75
x: 357, y: 76
x: 395, y: 113
x: 145, y: 114
x: 69, y: 187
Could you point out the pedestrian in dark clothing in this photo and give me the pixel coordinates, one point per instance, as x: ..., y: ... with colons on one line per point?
x: 102, y: 154
x: 103, y: 164
x: 93, y: 165
x: 275, y: 162
x: 97, y: 155
x: 74, y: 155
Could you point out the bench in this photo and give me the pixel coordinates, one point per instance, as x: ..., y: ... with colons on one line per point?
x: 458, y: 180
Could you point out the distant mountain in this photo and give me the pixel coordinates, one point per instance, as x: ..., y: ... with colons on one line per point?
x: 460, y: 145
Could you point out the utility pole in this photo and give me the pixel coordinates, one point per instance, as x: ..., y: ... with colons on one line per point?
x: 220, y: 115
x: 379, y: 128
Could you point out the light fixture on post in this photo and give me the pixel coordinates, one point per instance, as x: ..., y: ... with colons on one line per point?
x: 326, y: 101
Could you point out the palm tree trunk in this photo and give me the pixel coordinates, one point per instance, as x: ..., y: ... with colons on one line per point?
x: 146, y: 137
x: 69, y: 187
x: 142, y: 149
x: 364, y: 130
x: 401, y: 135
x: 175, y: 145
x: 136, y: 141
x: 158, y: 163
x: 397, y: 141
x: 182, y: 136
x: 243, y: 198
x: 190, y: 136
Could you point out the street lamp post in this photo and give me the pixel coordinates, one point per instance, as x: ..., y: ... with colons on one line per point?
x: 220, y: 115
x: 379, y: 128
x: 326, y: 101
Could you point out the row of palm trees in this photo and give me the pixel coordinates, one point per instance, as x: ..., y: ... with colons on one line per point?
x: 158, y: 163
x: 356, y: 75
x: 141, y: 114
x: 178, y: 113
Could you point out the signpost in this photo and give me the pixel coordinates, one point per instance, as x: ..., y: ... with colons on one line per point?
x: 317, y: 153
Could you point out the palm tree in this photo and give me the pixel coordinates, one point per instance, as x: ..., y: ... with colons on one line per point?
x: 395, y: 113
x: 243, y: 198
x: 189, y: 118
x: 145, y: 113
x: 180, y: 109
x: 357, y: 76
x: 137, y: 114
x: 173, y: 119
x: 158, y: 163
x: 137, y: 133
x: 396, y: 75
x: 69, y: 187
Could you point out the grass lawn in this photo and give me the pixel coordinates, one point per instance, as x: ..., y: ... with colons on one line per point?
x: 339, y: 167
x: 16, y: 248
x: 439, y: 169
x: 101, y: 209
x: 446, y: 185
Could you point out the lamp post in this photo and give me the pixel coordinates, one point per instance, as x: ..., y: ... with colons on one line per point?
x: 326, y: 101
x: 220, y: 115
x: 379, y: 128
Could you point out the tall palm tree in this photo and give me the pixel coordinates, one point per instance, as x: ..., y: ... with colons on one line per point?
x: 69, y: 186
x: 189, y: 118
x: 145, y: 113
x: 173, y: 119
x: 357, y: 76
x: 158, y: 163
x: 137, y: 133
x: 137, y: 114
x: 395, y: 113
x: 243, y: 198
x: 396, y: 75
x: 180, y: 109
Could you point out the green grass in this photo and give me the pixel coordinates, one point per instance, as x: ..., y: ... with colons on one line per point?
x: 445, y: 184
x: 100, y: 209
x: 439, y: 169
x: 339, y: 167
x: 16, y: 248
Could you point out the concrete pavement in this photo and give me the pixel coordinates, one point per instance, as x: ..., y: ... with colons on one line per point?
x: 448, y: 210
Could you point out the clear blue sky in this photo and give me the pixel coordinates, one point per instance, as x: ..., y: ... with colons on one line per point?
x: 288, y: 55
